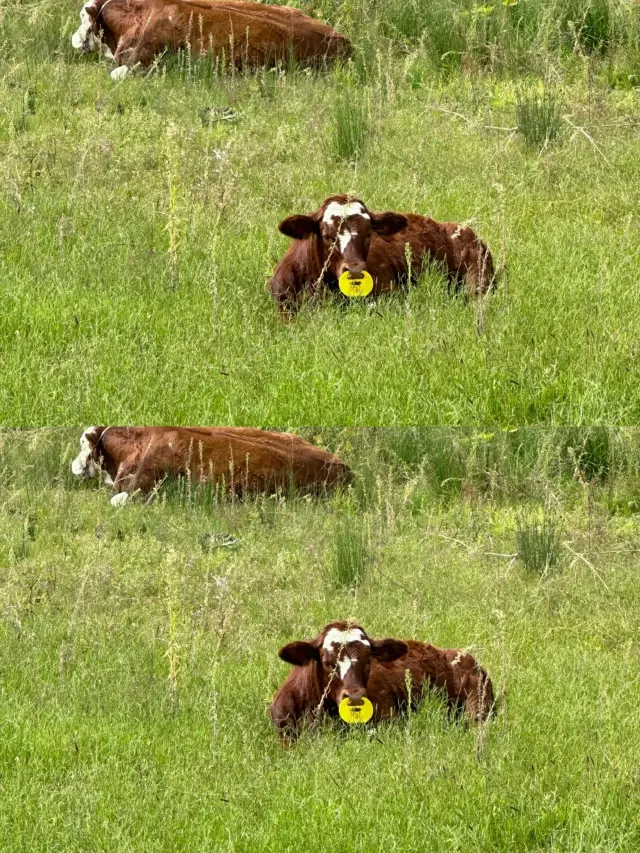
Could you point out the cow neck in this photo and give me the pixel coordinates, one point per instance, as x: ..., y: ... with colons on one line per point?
x: 101, y: 436
x: 102, y: 8
x: 106, y: 457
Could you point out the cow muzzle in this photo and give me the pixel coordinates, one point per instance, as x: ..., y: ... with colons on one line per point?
x: 354, y: 268
x: 353, y: 694
x: 84, y: 38
x: 84, y: 466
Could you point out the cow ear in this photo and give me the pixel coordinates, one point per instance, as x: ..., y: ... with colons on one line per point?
x: 299, y: 653
x: 94, y: 435
x: 388, y: 223
x: 388, y: 650
x: 92, y: 11
x: 299, y: 227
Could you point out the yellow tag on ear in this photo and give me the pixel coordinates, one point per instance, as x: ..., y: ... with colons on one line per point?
x: 356, y: 285
x: 356, y: 713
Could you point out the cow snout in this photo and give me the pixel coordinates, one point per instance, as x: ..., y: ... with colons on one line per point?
x: 78, y: 468
x: 354, y: 268
x: 353, y: 694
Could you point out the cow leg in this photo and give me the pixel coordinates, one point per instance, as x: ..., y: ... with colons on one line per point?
x: 132, y: 477
x: 132, y: 50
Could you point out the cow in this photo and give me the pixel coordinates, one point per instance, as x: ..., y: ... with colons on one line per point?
x: 343, y: 235
x: 135, y: 32
x: 241, y: 460
x: 344, y: 662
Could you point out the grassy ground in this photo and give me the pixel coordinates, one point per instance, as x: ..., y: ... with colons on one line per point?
x: 139, y: 225
x: 136, y: 662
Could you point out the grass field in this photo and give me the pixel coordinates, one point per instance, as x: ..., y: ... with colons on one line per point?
x: 139, y: 222
x: 137, y: 658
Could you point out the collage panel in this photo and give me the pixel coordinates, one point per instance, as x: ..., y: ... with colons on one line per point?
x: 437, y: 649
x: 423, y: 213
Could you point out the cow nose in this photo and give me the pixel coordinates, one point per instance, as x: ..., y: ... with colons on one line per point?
x: 354, y: 268
x: 353, y: 694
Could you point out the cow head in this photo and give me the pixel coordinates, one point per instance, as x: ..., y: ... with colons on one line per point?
x: 87, y: 37
x: 345, y: 653
x: 92, y: 34
x: 87, y: 462
x: 343, y: 227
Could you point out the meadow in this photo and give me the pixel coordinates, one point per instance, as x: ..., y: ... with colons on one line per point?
x: 138, y: 650
x: 138, y: 222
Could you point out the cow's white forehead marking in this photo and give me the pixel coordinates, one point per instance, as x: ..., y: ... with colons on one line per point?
x: 120, y: 499
x: 336, y: 636
x: 341, y: 211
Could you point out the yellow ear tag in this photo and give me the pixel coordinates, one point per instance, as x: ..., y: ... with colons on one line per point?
x: 356, y: 713
x: 356, y: 285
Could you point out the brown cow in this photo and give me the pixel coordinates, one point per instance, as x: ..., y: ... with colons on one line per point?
x: 136, y: 31
x: 136, y: 458
x: 344, y: 662
x: 343, y: 235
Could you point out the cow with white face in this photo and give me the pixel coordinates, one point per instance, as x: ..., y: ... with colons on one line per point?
x: 344, y: 663
x: 344, y: 236
x: 243, y: 33
x: 87, y: 463
x: 235, y: 459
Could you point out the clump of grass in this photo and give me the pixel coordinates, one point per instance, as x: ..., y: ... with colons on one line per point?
x: 538, y: 544
x: 538, y: 118
x: 350, y: 125
x: 350, y: 557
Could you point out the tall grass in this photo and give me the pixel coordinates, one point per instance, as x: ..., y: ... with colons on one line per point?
x: 538, y: 117
x: 350, y: 555
x: 350, y: 132
x: 538, y: 543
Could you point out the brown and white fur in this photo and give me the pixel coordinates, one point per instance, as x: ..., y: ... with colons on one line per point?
x: 343, y: 235
x: 135, y: 32
x: 244, y: 460
x: 343, y: 661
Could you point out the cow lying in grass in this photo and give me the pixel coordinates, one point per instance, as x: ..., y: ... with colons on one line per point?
x: 343, y: 662
x: 344, y: 236
x: 242, y: 460
x: 135, y: 32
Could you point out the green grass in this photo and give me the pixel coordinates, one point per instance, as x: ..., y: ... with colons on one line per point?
x: 136, y: 667
x: 538, y: 544
x: 139, y: 227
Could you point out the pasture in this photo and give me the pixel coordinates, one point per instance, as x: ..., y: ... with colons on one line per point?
x: 139, y: 222
x: 138, y: 650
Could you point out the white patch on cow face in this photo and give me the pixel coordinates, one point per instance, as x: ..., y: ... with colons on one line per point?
x: 340, y: 211
x: 344, y: 666
x: 344, y: 238
x: 120, y: 499
x: 341, y: 638
x: 120, y: 73
x: 84, y: 39
x: 83, y: 465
